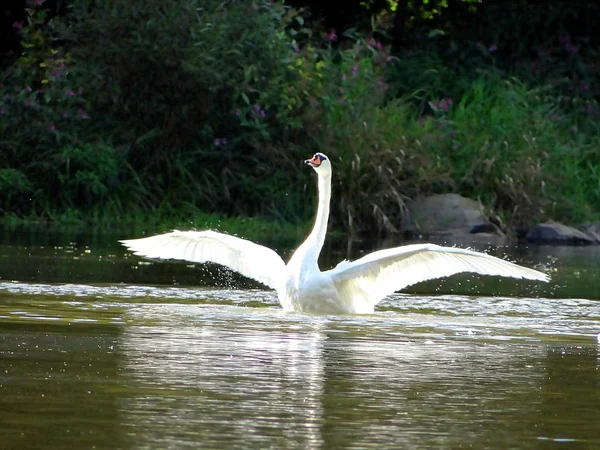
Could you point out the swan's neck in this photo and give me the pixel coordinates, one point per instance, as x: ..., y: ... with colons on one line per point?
x: 319, y: 231
x: 306, y: 257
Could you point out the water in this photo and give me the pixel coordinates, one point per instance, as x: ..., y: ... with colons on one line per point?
x: 103, y: 350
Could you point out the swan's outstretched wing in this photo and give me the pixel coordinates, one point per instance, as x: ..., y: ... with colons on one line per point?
x: 381, y: 273
x: 251, y: 260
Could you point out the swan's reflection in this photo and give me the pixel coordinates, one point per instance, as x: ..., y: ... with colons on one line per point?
x: 258, y: 377
x: 224, y: 374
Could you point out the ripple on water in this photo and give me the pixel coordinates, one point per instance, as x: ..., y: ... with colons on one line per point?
x: 436, y: 317
x: 229, y: 369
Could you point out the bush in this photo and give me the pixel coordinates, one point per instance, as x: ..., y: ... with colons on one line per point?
x: 42, y: 111
x: 197, y: 93
x: 514, y: 148
x: 186, y: 95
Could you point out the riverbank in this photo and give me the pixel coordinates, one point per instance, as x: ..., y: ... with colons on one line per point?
x: 252, y: 228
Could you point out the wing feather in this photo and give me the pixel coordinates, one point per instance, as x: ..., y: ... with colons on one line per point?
x: 251, y: 260
x: 381, y: 273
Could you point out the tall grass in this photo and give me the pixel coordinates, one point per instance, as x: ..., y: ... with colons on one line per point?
x: 514, y: 147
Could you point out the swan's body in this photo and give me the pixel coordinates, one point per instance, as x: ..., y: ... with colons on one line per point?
x: 352, y: 287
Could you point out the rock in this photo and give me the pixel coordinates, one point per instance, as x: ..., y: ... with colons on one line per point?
x: 443, y: 212
x: 558, y: 234
x: 452, y: 219
x: 593, y: 230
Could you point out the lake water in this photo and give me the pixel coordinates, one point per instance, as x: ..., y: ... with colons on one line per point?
x: 100, y: 349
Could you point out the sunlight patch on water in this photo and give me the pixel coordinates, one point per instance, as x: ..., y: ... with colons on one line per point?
x: 400, y: 316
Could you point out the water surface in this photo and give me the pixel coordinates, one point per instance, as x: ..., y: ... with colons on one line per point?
x: 99, y: 349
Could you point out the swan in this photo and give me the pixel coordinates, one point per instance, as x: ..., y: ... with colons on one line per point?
x: 352, y: 287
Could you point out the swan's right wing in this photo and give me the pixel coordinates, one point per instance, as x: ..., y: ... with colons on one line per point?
x: 251, y: 260
x: 374, y: 276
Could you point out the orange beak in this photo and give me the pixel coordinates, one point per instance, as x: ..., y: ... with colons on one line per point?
x: 315, y: 161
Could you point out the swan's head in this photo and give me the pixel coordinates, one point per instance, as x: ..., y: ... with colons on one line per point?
x: 320, y: 163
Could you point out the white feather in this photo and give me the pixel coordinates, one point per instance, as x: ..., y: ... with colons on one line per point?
x: 379, y: 274
x: 251, y: 260
x: 351, y: 287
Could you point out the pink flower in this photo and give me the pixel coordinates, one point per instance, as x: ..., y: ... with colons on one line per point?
x: 69, y: 93
x: 18, y: 25
x: 445, y: 104
x: 441, y: 105
x: 51, y: 127
x: 589, y: 109
x: 382, y: 84
x: 565, y: 41
x: 354, y: 70
x: 332, y: 36
x: 378, y: 45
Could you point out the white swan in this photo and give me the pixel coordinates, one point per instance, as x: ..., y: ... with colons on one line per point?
x: 352, y: 287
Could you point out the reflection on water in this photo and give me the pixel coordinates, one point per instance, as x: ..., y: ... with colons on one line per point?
x: 87, y: 361
x: 121, y: 373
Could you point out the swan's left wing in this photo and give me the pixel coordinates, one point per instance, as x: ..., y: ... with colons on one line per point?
x: 251, y: 260
x: 381, y: 273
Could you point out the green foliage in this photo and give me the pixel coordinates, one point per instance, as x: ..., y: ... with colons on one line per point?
x: 14, y: 188
x: 86, y: 171
x: 511, y: 146
x: 193, y: 107
x: 517, y: 148
x: 193, y: 90
x: 41, y: 111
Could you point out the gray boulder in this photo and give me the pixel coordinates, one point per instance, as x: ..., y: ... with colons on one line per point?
x: 452, y: 219
x: 593, y: 230
x: 558, y: 234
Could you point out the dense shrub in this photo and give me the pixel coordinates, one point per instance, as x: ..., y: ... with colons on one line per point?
x: 182, y: 97
x: 42, y: 115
